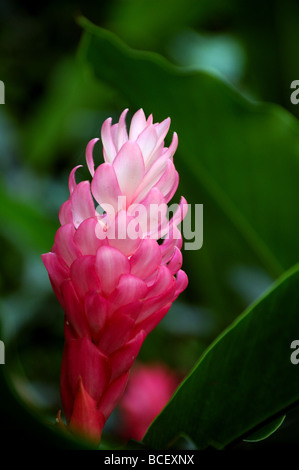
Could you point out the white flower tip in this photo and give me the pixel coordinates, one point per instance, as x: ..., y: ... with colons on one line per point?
x: 138, y: 123
x: 72, y: 179
x: 150, y: 119
x: 89, y: 156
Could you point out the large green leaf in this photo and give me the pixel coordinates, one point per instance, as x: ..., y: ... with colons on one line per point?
x: 265, y: 431
x: 243, y: 380
x: 65, y: 115
x: 240, y: 159
x: 143, y: 22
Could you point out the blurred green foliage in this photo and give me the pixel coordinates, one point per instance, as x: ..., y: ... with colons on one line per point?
x: 243, y: 164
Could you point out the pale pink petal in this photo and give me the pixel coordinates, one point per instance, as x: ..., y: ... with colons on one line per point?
x: 65, y: 213
x: 149, y: 120
x: 154, y: 214
x: 114, y: 132
x: 124, y: 233
x: 176, y: 261
x: 169, y: 152
x: 162, y: 128
x: 122, y: 134
x: 86, y: 237
x: 162, y: 282
x: 130, y: 288
x: 82, y: 203
x: 101, y: 228
x: 138, y: 123
x: 147, y: 142
x: 172, y: 239
x: 108, y: 144
x: 110, y: 265
x: 152, y: 176
x: 146, y: 259
x: 72, y: 180
x: 65, y: 246
x: 168, y: 182
x: 177, y: 218
x: 129, y: 168
x: 89, y: 156
x: 181, y: 282
x: 161, y: 151
x: 161, y: 131
x: 181, y: 212
x: 157, y: 153
x: 105, y: 188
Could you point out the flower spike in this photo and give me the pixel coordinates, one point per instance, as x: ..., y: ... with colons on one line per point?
x: 113, y: 279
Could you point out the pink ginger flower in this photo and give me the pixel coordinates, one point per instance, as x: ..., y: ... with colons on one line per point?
x: 149, y: 389
x: 113, y: 279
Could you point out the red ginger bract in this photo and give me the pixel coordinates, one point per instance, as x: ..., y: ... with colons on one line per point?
x: 115, y: 282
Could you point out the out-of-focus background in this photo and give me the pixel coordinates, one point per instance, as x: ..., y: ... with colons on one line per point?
x: 54, y: 106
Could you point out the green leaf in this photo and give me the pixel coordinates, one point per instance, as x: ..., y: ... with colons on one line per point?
x: 143, y: 22
x: 266, y: 430
x: 243, y: 380
x: 66, y: 113
x: 240, y: 159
